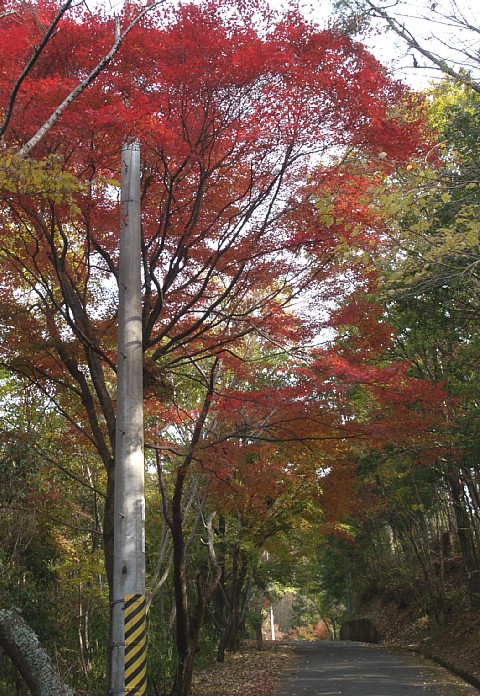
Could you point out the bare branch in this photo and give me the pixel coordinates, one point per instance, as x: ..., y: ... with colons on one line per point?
x: 82, y: 86
x: 442, y: 64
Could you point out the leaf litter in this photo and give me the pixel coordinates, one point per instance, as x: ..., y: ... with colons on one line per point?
x: 248, y: 672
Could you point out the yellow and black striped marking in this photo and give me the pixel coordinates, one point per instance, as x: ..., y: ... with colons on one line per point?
x: 135, y: 645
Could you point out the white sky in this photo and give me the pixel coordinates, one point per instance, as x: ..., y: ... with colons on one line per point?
x: 444, y: 33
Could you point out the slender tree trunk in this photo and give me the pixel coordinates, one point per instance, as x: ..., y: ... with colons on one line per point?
x: 183, y: 678
x: 187, y: 629
x: 257, y: 618
x: 466, y: 541
x: 431, y: 584
x: 258, y: 635
x: 188, y: 640
x: 230, y: 601
x: 229, y: 635
x: 23, y: 647
x: 21, y: 689
x: 185, y: 659
x: 350, y: 592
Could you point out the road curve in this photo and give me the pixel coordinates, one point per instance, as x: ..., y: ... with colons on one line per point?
x: 333, y: 668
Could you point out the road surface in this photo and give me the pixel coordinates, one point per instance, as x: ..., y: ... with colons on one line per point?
x: 333, y: 668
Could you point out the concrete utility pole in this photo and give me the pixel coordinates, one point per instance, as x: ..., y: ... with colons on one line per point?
x: 128, y: 606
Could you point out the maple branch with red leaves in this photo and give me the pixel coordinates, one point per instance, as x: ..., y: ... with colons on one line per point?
x: 29, y: 66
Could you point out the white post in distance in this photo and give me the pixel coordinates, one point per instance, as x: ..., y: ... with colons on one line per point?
x: 128, y: 605
x: 272, y: 623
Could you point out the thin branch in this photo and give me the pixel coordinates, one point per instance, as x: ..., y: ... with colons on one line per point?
x: 36, y: 54
x: 73, y: 476
x: 101, y: 65
x: 407, y: 36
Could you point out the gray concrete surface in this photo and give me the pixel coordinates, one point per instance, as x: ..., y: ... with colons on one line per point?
x: 333, y: 668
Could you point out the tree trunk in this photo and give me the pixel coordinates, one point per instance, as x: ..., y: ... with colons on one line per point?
x: 188, y: 644
x: 21, y: 689
x: 23, y: 647
x: 466, y: 540
x: 182, y: 685
x: 257, y: 618
x: 229, y: 636
x: 230, y: 609
x: 187, y: 629
x: 181, y: 605
x: 232, y: 597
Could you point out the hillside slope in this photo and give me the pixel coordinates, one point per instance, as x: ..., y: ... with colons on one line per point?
x: 455, y: 643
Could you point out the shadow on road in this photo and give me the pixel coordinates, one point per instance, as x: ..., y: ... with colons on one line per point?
x: 330, y: 668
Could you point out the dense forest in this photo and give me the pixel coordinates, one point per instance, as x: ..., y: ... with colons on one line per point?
x: 309, y: 270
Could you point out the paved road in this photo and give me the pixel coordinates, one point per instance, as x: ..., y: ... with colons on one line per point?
x: 330, y: 668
